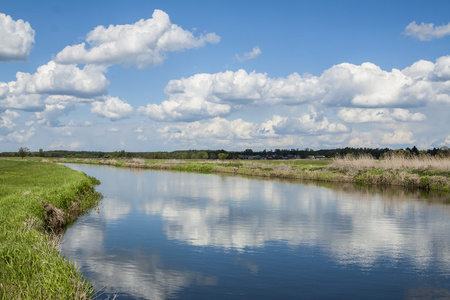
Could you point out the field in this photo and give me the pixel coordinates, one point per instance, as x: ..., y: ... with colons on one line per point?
x: 37, y: 201
x: 426, y: 173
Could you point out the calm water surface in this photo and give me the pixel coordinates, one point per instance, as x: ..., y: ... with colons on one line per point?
x: 173, y: 235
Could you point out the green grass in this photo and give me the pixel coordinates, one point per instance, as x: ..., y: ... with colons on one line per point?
x: 30, y: 264
x: 432, y: 173
x: 195, y: 167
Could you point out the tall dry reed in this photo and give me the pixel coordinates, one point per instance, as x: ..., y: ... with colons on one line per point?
x: 391, y: 162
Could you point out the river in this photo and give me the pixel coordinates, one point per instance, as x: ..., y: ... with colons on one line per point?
x: 176, y: 235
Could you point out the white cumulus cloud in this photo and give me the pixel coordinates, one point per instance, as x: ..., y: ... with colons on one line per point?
x: 205, y: 96
x: 249, y: 55
x: 220, y: 131
x: 398, y: 137
x: 28, y: 90
x: 306, y: 123
x: 142, y: 137
x: 367, y: 85
x: 56, y: 106
x: 217, y: 128
x: 57, y: 79
x: 427, y: 31
x: 66, y: 146
x: 8, y: 118
x: 27, y: 102
x: 17, y: 39
x: 49, y: 116
x: 22, y: 135
x: 360, y: 115
x: 112, y: 108
x: 142, y: 43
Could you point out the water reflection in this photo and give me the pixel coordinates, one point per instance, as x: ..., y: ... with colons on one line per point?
x: 356, y: 227
x: 128, y: 273
x: 133, y: 244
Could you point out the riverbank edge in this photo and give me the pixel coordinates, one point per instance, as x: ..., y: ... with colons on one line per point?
x: 294, y: 170
x: 31, y: 263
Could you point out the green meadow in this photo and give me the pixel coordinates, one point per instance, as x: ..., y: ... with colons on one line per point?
x: 37, y: 201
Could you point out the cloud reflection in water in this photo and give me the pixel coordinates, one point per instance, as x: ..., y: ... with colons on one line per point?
x: 351, y: 227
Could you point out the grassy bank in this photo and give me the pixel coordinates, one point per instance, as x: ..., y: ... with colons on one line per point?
x: 37, y: 200
x: 426, y: 173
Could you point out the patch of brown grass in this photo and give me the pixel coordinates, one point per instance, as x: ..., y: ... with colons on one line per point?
x: 391, y: 162
x: 54, y: 218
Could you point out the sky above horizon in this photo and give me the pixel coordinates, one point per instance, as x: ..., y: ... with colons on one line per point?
x: 176, y: 75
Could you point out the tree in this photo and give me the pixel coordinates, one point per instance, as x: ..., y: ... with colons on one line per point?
x: 223, y: 156
x: 23, y: 151
x: 201, y: 155
x: 444, y: 151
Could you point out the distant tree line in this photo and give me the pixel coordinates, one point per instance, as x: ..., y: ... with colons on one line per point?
x: 222, y: 154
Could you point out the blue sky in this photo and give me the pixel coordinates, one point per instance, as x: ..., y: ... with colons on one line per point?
x: 172, y: 75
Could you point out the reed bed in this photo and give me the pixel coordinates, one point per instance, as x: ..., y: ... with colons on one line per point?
x: 356, y: 164
x: 423, y: 172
